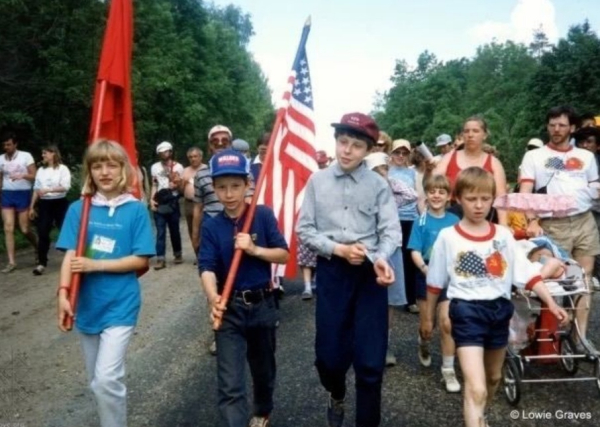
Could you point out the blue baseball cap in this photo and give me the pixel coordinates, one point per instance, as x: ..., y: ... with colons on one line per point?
x: 229, y: 162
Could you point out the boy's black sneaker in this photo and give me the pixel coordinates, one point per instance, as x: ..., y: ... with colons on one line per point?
x: 335, y: 412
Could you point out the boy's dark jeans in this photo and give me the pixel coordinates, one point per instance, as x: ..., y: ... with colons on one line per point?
x: 172, y: 222
x: 247, y: 333
x: 352, y: 330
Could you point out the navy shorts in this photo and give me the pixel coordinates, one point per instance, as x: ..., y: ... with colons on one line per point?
x: 481, y: 323
x: 421, y: 288
x: 16, y: 199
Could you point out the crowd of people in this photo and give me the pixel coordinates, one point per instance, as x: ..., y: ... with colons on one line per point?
x: 384, y: 224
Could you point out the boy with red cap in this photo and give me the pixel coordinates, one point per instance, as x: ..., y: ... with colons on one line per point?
x: 349, y: 218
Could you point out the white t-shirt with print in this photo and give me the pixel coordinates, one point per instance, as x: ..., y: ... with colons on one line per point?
x: 17, y: 165
x: 479, y: 268
x: 563, y: 172
x: 160, y: 174
x: 49, y: 177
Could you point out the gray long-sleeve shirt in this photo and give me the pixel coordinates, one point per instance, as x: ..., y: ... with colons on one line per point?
x: 347, y: 208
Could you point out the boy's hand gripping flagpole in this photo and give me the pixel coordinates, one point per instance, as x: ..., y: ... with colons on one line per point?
x: 237, y: 255
x: 112, y: 115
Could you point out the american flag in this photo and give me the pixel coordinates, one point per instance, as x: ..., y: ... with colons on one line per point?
x: 294, y: 155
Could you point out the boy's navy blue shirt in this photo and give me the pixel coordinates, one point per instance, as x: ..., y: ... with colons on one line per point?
x: 217, y: 247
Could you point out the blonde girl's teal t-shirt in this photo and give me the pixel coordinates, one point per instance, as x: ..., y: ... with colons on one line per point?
x: 109, y: 299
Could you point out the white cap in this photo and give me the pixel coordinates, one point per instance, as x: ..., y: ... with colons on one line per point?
x: 443, y: 139
x: 376, y: 159
x: 400, y: 143
x: 217, y: 129
x: 164, y: 146
x: 535, y: 142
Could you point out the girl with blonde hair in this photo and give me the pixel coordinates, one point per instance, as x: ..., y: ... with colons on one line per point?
x: 119, y: 243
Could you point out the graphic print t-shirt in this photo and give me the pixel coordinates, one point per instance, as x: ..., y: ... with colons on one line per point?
x: 479, y: 268
x: 18, y: 164
x: 563, y: 172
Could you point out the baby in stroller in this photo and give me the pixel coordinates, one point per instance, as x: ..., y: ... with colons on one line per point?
x: 562, y: 276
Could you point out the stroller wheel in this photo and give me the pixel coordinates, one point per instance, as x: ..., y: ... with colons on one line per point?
x: 511, y: 378
x: 567, y: 350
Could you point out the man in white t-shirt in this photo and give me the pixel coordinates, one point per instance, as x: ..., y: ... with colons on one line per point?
x: 561, y: 169
x: 17, y: 171
x: 164, y: 202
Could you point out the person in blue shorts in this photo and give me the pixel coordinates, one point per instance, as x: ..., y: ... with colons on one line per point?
x: 478, y: 262
x: 423, y: 236
x: 119, y: 243
x: 17, y: 173
x: 249, y: 319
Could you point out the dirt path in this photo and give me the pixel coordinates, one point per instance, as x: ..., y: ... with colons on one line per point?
x: 171, y: 378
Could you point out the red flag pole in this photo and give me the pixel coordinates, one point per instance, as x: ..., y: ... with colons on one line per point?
x: 237, y: 255
x: 85, y: 215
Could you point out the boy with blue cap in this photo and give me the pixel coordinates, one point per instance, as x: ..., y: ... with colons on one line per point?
x: 249, y: 322
x: 349, y: 219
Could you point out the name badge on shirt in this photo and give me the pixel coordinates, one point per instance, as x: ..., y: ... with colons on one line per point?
x: 103, y: 244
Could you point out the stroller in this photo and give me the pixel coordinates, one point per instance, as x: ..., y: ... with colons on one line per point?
x: 535, y: 335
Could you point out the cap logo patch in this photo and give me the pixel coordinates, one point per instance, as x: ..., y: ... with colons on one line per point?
x: 229, y: 160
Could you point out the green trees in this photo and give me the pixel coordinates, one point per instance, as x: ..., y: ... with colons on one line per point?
x: 191, y: 70
x: 510, y: 84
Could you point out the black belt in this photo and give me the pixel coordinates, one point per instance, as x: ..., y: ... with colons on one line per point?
x: 252, y: 296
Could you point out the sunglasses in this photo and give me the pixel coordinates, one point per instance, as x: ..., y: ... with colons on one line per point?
x: 223, y: 140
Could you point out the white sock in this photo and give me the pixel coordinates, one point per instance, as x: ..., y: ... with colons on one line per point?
x: 447, y: 362
x: 307, y: 286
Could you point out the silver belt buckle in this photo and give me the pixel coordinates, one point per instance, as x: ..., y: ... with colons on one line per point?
x: 244, y: 293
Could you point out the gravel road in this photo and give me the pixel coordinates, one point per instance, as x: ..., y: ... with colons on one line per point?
x: 172, y: 381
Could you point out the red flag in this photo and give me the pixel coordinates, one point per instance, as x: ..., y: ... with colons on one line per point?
x: 294, y: 155
x: 112, y: 114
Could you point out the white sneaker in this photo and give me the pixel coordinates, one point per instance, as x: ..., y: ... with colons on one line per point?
x: 424, y: 353
x: 259, y: 422
x: 449, y: 378
x: 390, y: 359
x: 307, y: 294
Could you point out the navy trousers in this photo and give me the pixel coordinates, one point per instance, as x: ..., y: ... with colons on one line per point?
x: 352, y: 323
x: 170, y: 221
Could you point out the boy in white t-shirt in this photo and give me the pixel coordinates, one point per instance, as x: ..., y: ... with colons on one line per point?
x: 17, y: 172
x: 478, y: 262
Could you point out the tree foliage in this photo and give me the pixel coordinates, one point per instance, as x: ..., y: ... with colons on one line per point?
x: 511, y: 85
x: 191, y: 70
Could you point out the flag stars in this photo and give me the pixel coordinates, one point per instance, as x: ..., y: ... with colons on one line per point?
x: 304, y: 71
x: 308, y: 99
x: 297, y: 91
x: 305, y: 81
x: 307, y: 90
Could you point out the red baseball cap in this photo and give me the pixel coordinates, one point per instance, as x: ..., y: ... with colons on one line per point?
x: 359, y: 123
x: 322, y: 157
